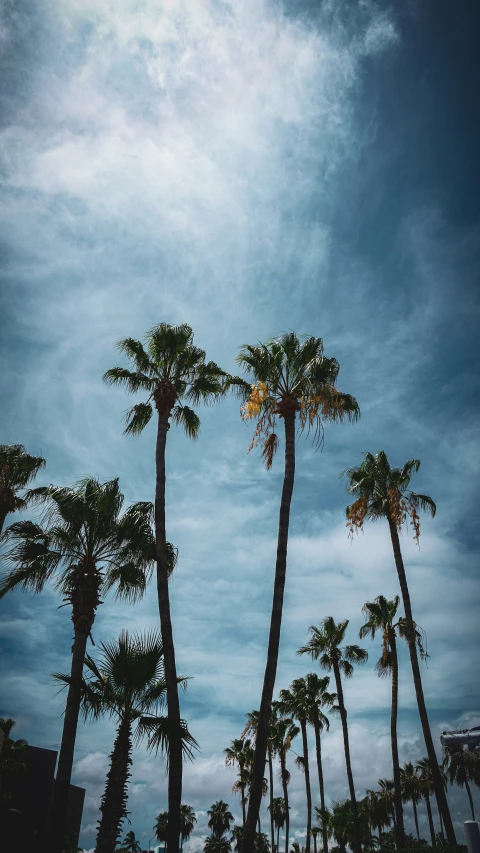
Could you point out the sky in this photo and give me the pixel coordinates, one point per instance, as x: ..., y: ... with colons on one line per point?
x: 247, y: 167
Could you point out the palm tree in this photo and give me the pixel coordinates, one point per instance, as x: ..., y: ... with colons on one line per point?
x: 278, y: 813
x: 317, y: 696
x: 462, y: 768
x: 411, y: 790
x: 325, y: 645
x: 188, y: 820
x: 284, y: 732
x: 128, y: 684
x: 425, y: 775
x: 295, y: 703
x: 252, y: 725
x: 387, y: 795
x: 315, y: 830
x: 240, y: 752
x: 290, y: 376
x: 161, y: 828
x: 382, y: 492
x: 87, y: 547
x: 214, y: 844
x: 220, y: 818
x: 130, y: 843
x: 172, y: 371
x: 17, y: 470
x: 377, y: 812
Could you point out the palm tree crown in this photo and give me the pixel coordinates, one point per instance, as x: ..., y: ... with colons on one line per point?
x: 291, y: 374
x: 383, y: 492
x: 130, y: 843
x: 325, y: 645
x: 220, y: 818
x: 17, y: 469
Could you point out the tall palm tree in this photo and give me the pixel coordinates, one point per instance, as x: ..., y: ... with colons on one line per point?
x: 318, y: 697
x: 382, y: 493
x: 284, y: 732
x: 17, y: 469
x: 425, y: 775
x: 278, y: 812
x: 127, y: 683
x: 173, y: 372
x: 87, y: 547
x: 462, y: 767
x: 188, y: 820
x: 411, y: 790
x: 130, y: 843
x: 240, y: 752
x: 291, y: 376
x: 161, y: 828
x: 295, y: 702
x: 325, y: 645
x: 220, y: 818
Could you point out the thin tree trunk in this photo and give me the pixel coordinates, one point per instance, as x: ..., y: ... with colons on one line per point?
x: 270, y: 771
x: 430, y: 819
x: 283, y: 770
x: 67, y: 746
x: 315, y: 843
x: 415, y: 816
x: 259, y: 823
x: 417, y: 679
x: 308, y: 789
x: 357, y: 847
x: 318, y: 747
x: 278, y: 838
x: 399, y: 826
x: 274, y: 638
x: 441, y: 823
x: 114, y: 800
x: 173, y: 704
x: 470, y: 799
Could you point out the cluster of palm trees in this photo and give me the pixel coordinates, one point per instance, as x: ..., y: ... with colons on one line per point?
x: 87, y: 545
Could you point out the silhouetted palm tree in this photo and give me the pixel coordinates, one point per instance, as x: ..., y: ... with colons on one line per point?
x: 17, y: 469
x: 462, y: 768
x: 284, y: 732
x: 188, y: 820
x: 411, y: 790
x: 220, y: 818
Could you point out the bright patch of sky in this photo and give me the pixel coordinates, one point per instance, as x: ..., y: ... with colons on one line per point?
x: 247, y: 167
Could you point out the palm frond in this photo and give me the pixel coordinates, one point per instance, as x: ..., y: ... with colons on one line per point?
x: 137, y: 418
x: 159, y: 730
x: 186, y: 417
x: 135, y: 352
x: 133, y: 380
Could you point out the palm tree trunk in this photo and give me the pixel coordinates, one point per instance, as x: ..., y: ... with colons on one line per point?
x: 470, y: 799
x: 417, y: 680
x: 430, y: 819
x: 318, y: 747
x: 274, y: 637
x: 259, y: 823
x: 441, y: 823
x: 357, y: 847
x: 283, y: 770
x: 278, y: 838
x: 415, y: 816
x: 399, y: 826
x: 67, y: 746
x: 308, y: 789
x: 270, y: 772
x: 3, y: 515
x: 173, y: 704
x: 114, y: 800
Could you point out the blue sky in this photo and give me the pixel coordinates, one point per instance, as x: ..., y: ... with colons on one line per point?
x: 247, y: 167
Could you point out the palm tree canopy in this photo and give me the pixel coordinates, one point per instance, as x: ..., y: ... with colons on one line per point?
x: 291, y: 374
x: 461, y: 765
x: 188, y: 820
x: 17, y: 469
x: 173, y: 372
x: 325, y: 645
x: 383, y: 492
x: 220, y: 818
x: 380, y: 615
x: 278, y: 810
x: 83, y: 531
x: 410, y: 782
x: 130, y: 843
x: 213, y: 844
x: 160, y: 827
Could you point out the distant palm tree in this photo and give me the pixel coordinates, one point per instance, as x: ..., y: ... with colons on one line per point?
x: 188, y: 820
x: 318, y: 697
x: 172, y: 371
x: 295, y: 702
x: 315, y: 830
x: 425, y: 776
x: 214, y: 844
x: 127, y: 683
x: 377, y: 812
x: 462, y: 767
x: 284, y: 732
x: 161, y: 828
x: 291, y: 376
x: 240, y: 752
x: 277, y: 810
x: 220, y: 818
x: 325, y: 645
x: 252, y: 725
x: 411, y: 790
x: 382, y: 493
x: 130, y: 843
x: 87, y: 547
x: 17, y: 470
x: 387, y: 795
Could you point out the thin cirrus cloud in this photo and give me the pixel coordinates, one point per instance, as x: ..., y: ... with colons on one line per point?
x: 191, y: 162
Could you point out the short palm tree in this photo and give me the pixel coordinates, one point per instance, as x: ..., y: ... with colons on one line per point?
x: 161, y: 827
x: 220, y: 818
x: 382, y: 493
x: 214, y: 844
x: 278, y: 812
x: 387, y: 795
x: 240, y: 752
x: 315, y: 830
x: 291, y: 376
x: 172, y: 372
x: 252, y: 725
x: 86, y: 546
x: 188, y: 820
x: 325, y: 645
x: 318, y: 697
x: 377, y: 812
x: 17, y: 469
x: 294, y: 702
x: 130, y: 843
x: 411, y: 790
x: 127, y: 683
x: 283, y: 734
x: 462, y: 767
x: 425, y: 775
